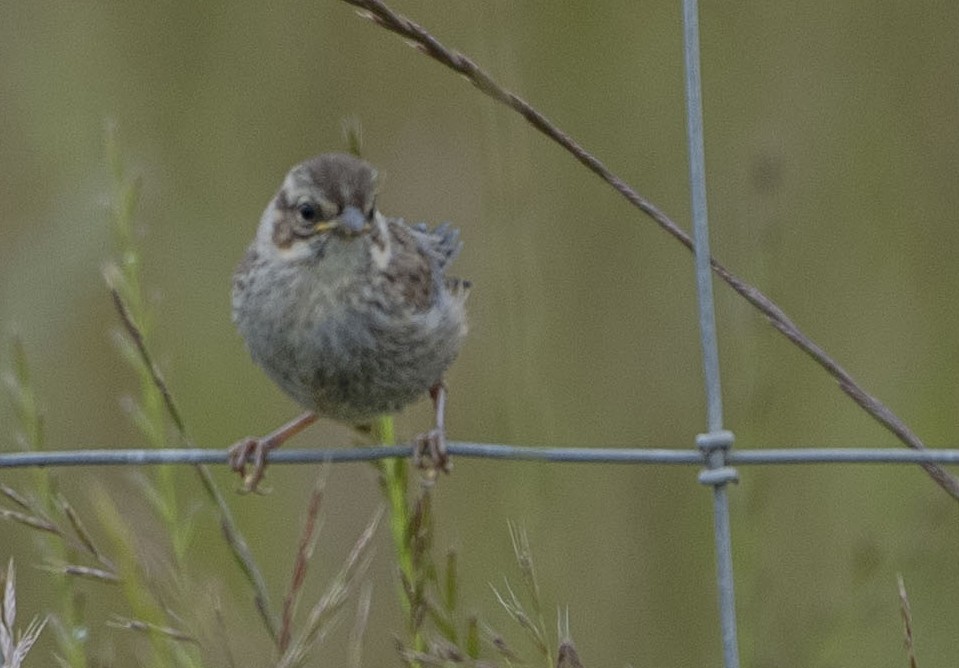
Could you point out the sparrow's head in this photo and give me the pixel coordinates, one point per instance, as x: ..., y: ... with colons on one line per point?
x: 330, y: 195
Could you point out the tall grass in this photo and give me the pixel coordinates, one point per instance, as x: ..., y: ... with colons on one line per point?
x: 164, y: 612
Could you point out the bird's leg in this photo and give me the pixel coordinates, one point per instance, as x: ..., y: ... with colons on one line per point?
x: 255, y: 449
x: 429, y: 449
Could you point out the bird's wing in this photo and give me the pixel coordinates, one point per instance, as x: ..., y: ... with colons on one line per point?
x: 417, y: 270
x: 442, y: 242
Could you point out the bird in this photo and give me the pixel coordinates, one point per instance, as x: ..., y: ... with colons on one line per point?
x: 350, y: 312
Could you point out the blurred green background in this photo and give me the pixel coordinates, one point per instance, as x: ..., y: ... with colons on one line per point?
x: 833, y: 167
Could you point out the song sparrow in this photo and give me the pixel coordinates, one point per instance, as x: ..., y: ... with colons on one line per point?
x: 349, y: 312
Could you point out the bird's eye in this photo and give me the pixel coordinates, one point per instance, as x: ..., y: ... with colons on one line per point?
x: 307, y: 212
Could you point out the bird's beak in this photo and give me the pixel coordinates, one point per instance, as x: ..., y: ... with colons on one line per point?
x: 325, y: 226
x: 351, y: 222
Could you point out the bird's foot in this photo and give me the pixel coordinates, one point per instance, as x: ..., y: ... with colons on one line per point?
x: 429, y: 453
x: 253, y: 451
x: 250, y: 451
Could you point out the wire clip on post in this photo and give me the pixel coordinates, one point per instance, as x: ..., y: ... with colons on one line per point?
x: 714, y: 446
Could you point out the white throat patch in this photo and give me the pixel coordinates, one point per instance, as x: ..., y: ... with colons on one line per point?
x: 381, y: 250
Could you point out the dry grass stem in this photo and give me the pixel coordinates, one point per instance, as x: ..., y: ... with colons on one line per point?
x: 360, y: 623
x: 82, y: 543
x: 31, y: 521
x: 327, y: 610
x: 15, y: 645
x: 530, y: 618
x: 82, y: 534
x: 514, y: 607
x: 152, y: 629
x: 906, y: 612
x: 15, y: 496
x: 524, y: 559
x: 231, y: 532
x: 301, y: 564
x: 86, y: 572
x: 112, y: 275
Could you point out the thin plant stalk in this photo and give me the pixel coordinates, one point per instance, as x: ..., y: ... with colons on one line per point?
x: 124, y: 277
x: 125, y: 288
x: 394, y: 477
x: 69, y: 622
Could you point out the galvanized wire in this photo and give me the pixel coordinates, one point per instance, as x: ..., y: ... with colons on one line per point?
x: 572, y: 455
x: 697, y: 182
x: 716, y: 443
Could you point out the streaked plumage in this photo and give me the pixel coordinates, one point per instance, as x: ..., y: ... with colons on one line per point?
x: 351, y: 313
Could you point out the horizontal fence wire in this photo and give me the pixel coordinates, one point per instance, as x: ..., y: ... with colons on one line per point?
x: 572, y: 455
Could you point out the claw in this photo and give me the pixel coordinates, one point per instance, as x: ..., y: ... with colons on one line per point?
x: 254, y: 451
x: 429, y: 453
x: 251, y: 450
